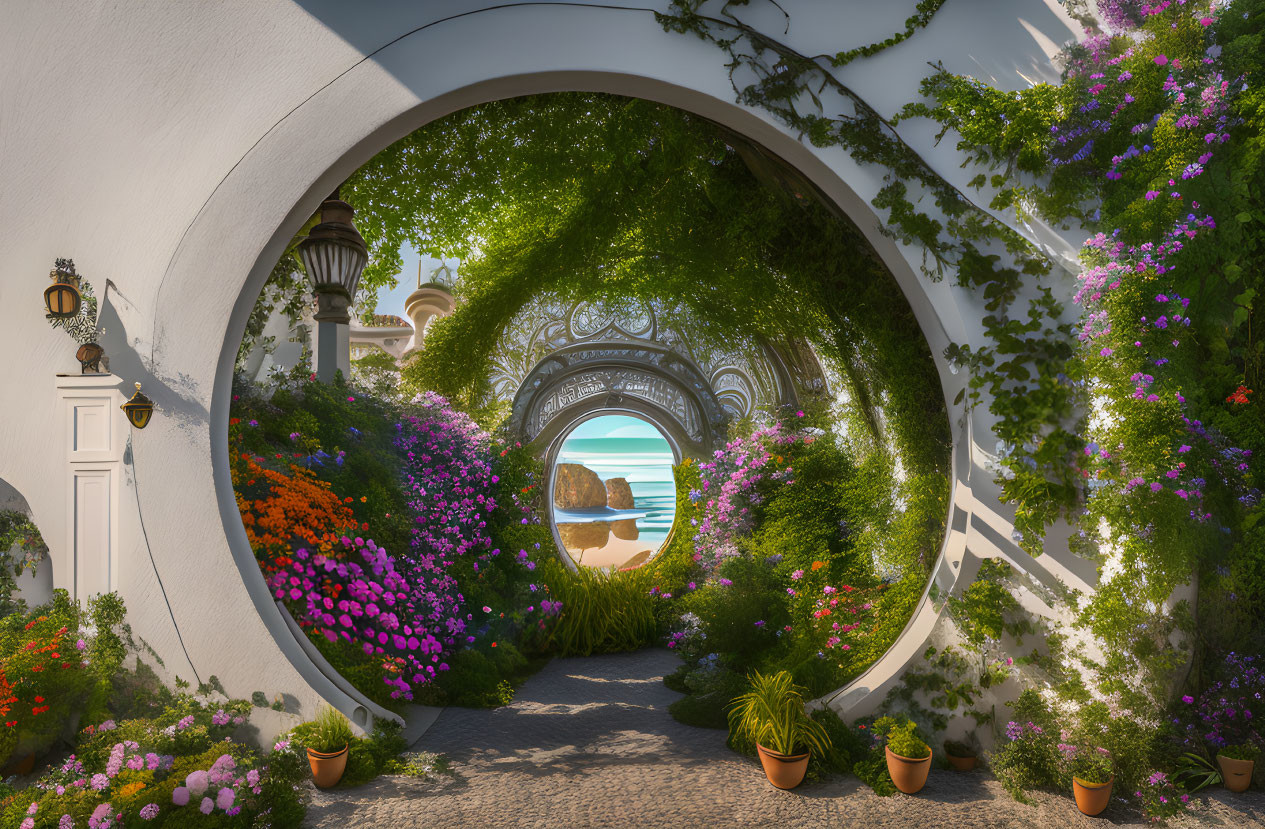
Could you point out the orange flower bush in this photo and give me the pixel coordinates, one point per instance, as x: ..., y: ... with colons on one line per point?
x: 283, y: 512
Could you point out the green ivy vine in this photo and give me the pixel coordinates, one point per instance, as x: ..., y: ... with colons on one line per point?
x: 1030, y: 368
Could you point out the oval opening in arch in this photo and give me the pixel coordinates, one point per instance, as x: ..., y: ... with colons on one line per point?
x: 613, y: 501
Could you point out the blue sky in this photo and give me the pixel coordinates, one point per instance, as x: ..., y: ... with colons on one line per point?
x: 392, y: 301
x: 619, y: 446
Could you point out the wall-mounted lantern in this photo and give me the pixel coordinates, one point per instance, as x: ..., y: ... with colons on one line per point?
x: 72, y: 307
x: 139, y: 409
x: 61, y: 299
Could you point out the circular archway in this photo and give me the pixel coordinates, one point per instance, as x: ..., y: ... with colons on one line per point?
x: 274, y: 187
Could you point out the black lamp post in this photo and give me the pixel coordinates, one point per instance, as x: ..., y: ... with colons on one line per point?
x: 334, y: 255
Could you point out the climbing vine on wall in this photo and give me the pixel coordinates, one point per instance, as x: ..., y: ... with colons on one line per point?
x: 1030, y: 368
x: 1138, y: 142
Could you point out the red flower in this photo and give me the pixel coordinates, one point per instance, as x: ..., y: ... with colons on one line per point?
x: 39, y: 699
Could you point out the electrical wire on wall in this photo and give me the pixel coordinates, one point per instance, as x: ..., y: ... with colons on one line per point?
x: 130, y: 460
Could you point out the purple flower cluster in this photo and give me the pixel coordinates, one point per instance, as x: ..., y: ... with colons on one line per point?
x: 1117, y: 333
x: 370, y: 604
x: 1229, y: 712
x: 216, y: 788
x: 729, y: 490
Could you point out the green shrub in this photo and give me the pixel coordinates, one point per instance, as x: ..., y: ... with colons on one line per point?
x: 1092, y: 765
x: 707, y: 706
x: 1242, y: 751
x: 903, y: 737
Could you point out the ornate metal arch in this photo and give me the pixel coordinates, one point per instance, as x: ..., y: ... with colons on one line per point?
x: 640, y: 377
x: 560, y: 357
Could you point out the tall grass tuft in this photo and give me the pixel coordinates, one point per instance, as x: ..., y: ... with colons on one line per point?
x: 602, y: 611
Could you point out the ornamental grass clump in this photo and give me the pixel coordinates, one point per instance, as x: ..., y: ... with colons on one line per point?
x: 328, y: 733
x: 772, y: 715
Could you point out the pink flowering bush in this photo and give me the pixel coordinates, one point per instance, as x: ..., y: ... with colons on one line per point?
x: 786, y: 527
x: 124, y: 776
x: 729, y: 491
x: 367, y: 604
x: 396, y: 618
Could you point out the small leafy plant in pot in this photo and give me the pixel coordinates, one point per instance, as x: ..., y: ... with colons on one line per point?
x: 771, y: 715
x: 327, y: 739
x: 962, y: 756
x: 1092, y: 776
x: 1237, y: 763
x: 908, y: 755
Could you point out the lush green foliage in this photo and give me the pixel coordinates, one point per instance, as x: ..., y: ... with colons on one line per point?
x: 795, y: 585
x: 903, y: 737
x: 18, y: 534
x: 674, y: 209
x: 1242, y: 751
x: 1030, y: 365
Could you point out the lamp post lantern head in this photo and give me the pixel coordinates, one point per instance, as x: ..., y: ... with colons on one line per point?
x: 334, y: 254
x: 61, y: 299
x: 138, y: 409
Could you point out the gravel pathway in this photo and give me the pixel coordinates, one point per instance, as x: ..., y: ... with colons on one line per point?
x: 589, y: 743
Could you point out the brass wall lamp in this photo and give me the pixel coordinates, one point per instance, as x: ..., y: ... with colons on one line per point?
x: 61, y: 299
x: 139, y: 409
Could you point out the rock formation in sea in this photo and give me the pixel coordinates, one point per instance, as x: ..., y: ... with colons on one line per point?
x: 577, y: 487
x: 619, y: 494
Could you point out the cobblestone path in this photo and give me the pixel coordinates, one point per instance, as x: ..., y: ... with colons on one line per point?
x: 589, y: 743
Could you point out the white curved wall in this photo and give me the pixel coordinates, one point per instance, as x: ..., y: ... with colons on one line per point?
x: 172, y: 149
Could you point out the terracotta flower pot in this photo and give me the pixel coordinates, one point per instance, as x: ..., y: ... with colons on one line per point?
x: 786, y: 771
x: 908, y: 774
x: 327, y: 769
x: 1237, y: 774
x: 1091, y: 798
x: 961, y: 763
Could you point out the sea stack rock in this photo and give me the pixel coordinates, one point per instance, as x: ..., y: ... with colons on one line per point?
x: 625, y: 529
x: 618, y: 494
x: 577, y: 487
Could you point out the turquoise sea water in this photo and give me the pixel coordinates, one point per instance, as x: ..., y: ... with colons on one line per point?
x: 618, y: 446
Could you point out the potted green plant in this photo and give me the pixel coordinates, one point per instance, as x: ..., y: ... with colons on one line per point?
x: 1092, y: 776
x: 1237, y: 763
x: 908, y: 755
x: 771, y: 715
x: 962, y: 755
x: 327, y: 739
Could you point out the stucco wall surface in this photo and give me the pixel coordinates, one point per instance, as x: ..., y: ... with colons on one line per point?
x: 172, y: 149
